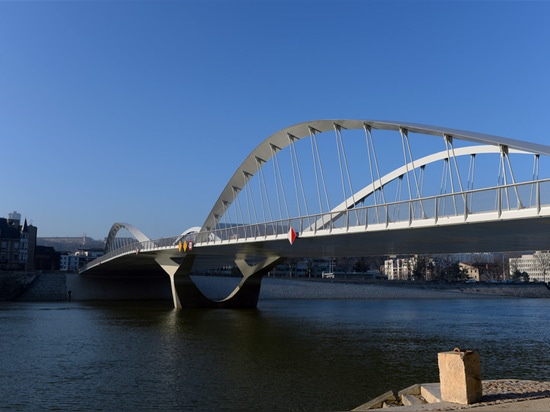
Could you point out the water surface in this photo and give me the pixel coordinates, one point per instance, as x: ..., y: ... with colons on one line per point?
x: 291, y: 355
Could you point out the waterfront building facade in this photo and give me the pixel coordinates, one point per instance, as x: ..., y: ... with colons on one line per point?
x: 399, y: 268
x: 46, y: 258
x: 71, y: 262
x: 17, y: 243
x: 536, y: 265
x: 472, y: 271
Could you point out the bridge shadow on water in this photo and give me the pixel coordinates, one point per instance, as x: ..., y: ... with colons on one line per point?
x: 309, y: 354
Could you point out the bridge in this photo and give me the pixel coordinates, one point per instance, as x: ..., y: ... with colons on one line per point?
x: 331, y: 188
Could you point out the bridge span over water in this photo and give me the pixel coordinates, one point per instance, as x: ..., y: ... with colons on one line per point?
x: 331, y: 188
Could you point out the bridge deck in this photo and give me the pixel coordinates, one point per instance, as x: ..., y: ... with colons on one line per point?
x: 494, y: 236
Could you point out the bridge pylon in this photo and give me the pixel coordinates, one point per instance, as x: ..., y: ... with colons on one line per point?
x: 186, y: 294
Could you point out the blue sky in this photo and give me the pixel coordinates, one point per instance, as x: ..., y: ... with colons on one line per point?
x: 140, y: 111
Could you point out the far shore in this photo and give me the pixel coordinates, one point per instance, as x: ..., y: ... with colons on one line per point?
x: 36, y: 286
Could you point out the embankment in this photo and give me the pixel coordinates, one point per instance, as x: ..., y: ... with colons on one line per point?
x: 54, y: 286
x: 13, y: 284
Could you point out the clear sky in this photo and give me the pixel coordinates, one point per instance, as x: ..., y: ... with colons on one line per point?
x: 140, y: 111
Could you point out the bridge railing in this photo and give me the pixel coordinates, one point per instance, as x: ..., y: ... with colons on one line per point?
x: 529, y: 196
x: 136, y: 247
x: 520, y: 196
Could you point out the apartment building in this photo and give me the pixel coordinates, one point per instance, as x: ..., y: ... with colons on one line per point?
x: 17, y: 243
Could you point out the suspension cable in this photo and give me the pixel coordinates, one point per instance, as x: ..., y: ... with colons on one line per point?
x: 224, y: 222
x: 471, y: 170
x: 239, y: 208
x: 275, y: 164
x: 297, y: 175
x: 405, y: 137
x: 471, y: 176
x: 448, y: 164
x: 250, y: 200
x: 342, y: 159
x: 534, y: 177
x: 317, y: 162
x: 398, y: 192
x: 449, y: 142
x: 459, y: 178
x: 265, y: 192
x: 279, y: 178
x: 536, y: 167
x: 338, y: 150
x: 507, y: 154
x: 292, y: 157
x: 443, y: 184
x: 371, y: 151
x: 502, y: 170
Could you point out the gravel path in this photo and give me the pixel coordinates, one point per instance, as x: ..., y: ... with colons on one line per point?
x: 506, y: 390
x: 502, y: 391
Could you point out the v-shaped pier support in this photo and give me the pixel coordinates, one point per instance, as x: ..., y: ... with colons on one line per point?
x: 186, y: 294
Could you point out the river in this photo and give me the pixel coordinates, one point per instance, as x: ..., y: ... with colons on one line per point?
x: 288, y: 355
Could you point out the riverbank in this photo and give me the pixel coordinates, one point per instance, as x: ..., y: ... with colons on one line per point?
x: 54, y: 286
x: 13, y: 284
x: 498, y: 395
x: 362, y: 289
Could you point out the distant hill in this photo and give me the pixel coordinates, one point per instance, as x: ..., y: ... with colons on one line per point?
x: 70, y: 244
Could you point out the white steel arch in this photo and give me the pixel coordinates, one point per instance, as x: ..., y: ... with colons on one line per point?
x: 368, y: 190
x: 288, y: 136
x: 138, y: 234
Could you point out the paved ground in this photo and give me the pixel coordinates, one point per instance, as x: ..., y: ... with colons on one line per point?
x: 498, y: 395
x: 534, y: 405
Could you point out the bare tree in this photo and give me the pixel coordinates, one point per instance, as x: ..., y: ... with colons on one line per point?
x: 361, y: 265
x: 309, y: 266
x: 514, y: 267
x: 543, y: 262
x: 291, y: 262
x: 344, y: 263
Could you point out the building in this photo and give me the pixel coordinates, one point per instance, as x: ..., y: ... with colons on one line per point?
x: 536, y: 265
x: 46, y: 258
x: 481, y: 272
x: 472, y: 271
x: 399, y: 268
x: 17, y: 243
x: 71, y: 262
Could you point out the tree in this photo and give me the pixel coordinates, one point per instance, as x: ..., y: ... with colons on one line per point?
x: 344, y: 263
x: 453, y: 273
x: 514, y: 267
x: 360, y: 265
x: 543, y: 263
x: 518, y: 276
x: 291, y: 262
x: 423, y: 268
x: 309, y: 266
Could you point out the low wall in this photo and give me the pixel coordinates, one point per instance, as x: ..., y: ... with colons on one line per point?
x: 13, y: 284
x: 87, y: 288
x: 45, y: 286
x: 55, y: 286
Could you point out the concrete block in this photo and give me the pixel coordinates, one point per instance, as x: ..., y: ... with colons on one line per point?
x: 431, y: 392
x: 460, y: 376
x: 376, y: 402
x: 411, y: 400
x: 411, y: 390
